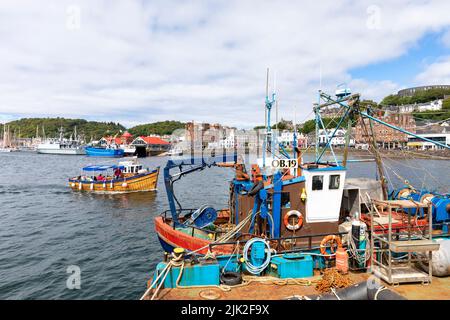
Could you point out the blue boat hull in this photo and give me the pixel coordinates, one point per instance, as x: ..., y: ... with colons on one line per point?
x: 101, y: 152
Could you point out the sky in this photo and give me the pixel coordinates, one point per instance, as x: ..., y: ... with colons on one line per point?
x: 136, y: 62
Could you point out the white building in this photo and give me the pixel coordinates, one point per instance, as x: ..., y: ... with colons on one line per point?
x: 227, y: 142
x: 420, y: 107
x: 338, y: 139
x: 287, y: 139
x: 443, y: 138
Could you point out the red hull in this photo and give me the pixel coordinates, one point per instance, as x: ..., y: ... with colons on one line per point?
x: 180, y: 239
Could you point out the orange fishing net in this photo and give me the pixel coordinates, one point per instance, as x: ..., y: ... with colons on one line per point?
x: 331, y: 278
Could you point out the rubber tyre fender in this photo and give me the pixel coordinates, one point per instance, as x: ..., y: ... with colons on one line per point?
x: 255, y: 188
x: 230, y: 278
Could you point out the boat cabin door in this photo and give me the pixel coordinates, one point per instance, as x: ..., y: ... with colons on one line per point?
x: 324, y: 189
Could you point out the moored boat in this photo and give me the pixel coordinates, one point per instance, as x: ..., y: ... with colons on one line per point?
x: 61, y: 145
x: 127, y: 176
x: 104, y: 152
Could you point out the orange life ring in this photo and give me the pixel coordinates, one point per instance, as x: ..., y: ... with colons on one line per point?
x: 293, y: 227
x: 331, y: 239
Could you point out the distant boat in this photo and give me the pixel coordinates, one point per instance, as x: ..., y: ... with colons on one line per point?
x: 6, y: 141
x: 62, y: 146
x: 127, y: 176
x: 104, y: 152
x: 175, y: 152
x: 129, y: 150
x: 4, y: 150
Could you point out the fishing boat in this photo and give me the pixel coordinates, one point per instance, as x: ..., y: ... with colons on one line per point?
x: 127, y: 176
x: 286, y: 214
x: 108, y: 151
x: 61, y: 145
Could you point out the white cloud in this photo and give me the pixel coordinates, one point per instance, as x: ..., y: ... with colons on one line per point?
x: 137, y: 61
x: 436, y: 73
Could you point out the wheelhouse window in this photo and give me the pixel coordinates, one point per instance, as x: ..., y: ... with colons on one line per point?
x: 317, y: 182
x: 335, y: 181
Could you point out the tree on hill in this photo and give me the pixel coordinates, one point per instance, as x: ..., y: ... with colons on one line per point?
x: 51, y: 126
x: 330, y: 123
x: 159, y: 128
x: 421, y: 96
x: 446, y: 104
x: 433, y: 115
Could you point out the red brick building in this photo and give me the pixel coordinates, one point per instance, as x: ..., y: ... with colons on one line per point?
x: 385, y: 136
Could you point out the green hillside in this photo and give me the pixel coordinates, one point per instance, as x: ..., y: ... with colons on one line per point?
x: 160, y: 128
x: 418, y: 97
x: 50, y: 126
x: 423, y: 97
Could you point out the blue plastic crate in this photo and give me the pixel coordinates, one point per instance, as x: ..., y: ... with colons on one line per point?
x: 193, y: 275
x: 292, y: 266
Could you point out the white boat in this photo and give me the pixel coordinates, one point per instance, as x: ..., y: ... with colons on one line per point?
x: 129, y: 150
x: 175, y: 152
x: 62, y: 146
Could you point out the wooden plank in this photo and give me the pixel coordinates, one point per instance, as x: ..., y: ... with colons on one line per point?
x: 401, y: 203
x: 414, y: 246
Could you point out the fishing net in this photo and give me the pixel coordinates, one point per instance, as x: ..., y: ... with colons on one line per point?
x: 331, y: 278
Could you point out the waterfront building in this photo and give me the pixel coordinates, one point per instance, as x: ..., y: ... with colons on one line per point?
x: 385, y: 136
x: 125, y: 139
x: 435, y: 132
x: 147, y: 145
x: 337, y: 141
x: 286, y: 137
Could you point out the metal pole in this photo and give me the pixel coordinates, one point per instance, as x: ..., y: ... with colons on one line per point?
x: 347, y: 142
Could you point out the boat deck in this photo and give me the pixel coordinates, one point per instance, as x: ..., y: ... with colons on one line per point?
x: 437, y: 290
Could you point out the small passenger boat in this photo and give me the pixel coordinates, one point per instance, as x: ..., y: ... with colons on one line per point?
x: 127, y: 176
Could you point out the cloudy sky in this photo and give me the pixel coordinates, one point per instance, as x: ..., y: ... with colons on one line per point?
x: 143, y: 61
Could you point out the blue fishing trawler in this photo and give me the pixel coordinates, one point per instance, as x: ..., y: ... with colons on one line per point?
x: 109, y: 151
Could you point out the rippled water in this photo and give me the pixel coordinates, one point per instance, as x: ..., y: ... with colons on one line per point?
x: 45, y: 227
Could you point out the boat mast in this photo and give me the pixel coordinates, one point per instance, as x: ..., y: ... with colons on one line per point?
x: 267, y: 144
x: 61, y: 136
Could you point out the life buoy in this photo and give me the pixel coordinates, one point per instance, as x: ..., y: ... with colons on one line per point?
x: 329, y: 241
x: 288, y: 225
x: 124, y: 184
x: 255, y: 188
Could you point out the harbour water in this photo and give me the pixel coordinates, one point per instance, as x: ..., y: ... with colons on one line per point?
x: 45, y: 227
